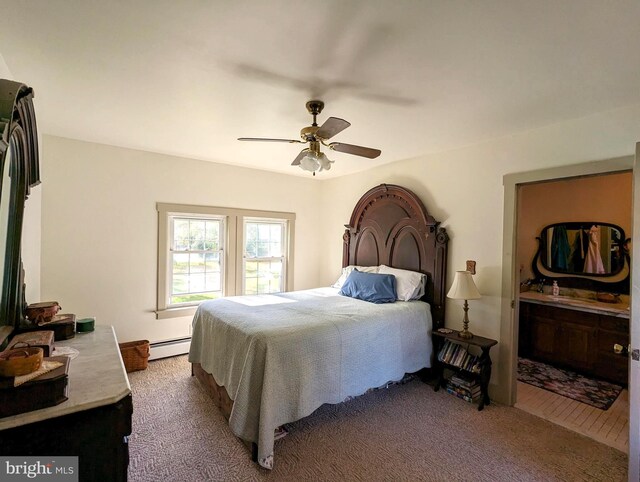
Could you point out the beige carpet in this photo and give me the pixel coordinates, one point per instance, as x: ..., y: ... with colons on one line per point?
x: 406, y: 432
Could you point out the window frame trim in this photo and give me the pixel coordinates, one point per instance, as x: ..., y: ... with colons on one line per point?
x: 233, y: 255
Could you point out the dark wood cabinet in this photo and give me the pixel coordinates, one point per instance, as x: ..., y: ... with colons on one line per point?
x: 544, y: 339
x: 93, y: 424
x: 578, y: 340
x: 98, y: 437
x: 576, y: 345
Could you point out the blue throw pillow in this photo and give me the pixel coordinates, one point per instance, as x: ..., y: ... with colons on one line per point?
x: 372, y: 287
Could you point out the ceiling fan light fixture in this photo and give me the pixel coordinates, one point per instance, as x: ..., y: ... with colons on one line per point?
x: 310, y: 162
x: 325, y: 163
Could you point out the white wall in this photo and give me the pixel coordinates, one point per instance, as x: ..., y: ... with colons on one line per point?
x: 99, y: 219
x: 5, y: 73
x: 32, y: 222
x: 463, y: 189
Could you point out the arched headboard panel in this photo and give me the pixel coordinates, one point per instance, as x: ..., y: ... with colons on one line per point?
x: 391, y: 226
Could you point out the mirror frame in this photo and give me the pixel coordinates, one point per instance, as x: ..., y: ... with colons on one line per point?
x: 19, y: 134
x: 613, y: 283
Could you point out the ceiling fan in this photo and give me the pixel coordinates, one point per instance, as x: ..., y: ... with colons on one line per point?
x: 311, y: 158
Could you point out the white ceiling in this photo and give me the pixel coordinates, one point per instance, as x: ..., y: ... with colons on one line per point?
x: 188, y: 77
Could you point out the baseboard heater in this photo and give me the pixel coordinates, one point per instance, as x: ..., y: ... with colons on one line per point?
x: 164, y: 349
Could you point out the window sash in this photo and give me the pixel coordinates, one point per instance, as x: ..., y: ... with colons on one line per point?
x: 248, y: 258
x: 193, y: 297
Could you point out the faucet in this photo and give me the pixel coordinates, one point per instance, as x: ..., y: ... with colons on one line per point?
x: 541, y: 285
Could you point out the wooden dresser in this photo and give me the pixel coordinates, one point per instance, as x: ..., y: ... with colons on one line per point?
x: 93, y: 423
x: 575, y: 337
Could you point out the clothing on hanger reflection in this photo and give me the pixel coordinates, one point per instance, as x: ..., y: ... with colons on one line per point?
x: 578, y: 251
x: 593, y: 263
x: 560, y: 249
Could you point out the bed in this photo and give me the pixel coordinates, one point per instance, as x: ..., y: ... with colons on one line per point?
x: 268, y: 360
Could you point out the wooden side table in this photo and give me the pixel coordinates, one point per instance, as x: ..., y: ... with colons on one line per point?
x: 484, y: 361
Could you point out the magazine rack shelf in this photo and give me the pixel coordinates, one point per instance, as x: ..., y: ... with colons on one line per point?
x: 460, y: 359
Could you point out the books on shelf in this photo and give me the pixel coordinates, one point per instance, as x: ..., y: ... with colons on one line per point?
x: 464, y: 387
x: 456, y: 355
x: 462, y: 394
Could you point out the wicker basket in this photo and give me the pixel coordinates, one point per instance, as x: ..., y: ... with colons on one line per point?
x: 135, y: 355
x: 20, y: 361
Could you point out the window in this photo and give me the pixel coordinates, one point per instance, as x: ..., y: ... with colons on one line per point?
x: 264, y: 256
x: 206, y: 253
x: 197, y: 257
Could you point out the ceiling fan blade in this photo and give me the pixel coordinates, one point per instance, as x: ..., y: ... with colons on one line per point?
x: 331, y: 127
x: 264, y: 139
x: 296, y: 161
x: 355, y: 150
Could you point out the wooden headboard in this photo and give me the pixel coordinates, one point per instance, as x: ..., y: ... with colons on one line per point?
x: 391, y: 226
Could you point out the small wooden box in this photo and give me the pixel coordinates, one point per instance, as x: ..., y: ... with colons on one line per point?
x: 43, y: 339
x: 45, y: 391
x: 63, y: 330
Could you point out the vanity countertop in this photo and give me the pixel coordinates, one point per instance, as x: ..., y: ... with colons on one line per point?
x: 580, y: 304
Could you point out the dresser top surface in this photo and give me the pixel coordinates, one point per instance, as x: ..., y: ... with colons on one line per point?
x: 96, y: 378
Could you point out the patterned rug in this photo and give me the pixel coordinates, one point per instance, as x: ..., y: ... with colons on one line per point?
x: 569, y: 384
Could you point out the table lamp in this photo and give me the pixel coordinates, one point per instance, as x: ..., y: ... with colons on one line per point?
x: 463, y: 288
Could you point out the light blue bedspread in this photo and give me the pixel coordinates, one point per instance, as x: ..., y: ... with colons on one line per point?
x: 280, y: 357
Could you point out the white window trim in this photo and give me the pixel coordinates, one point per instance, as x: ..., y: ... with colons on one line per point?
x: 233, y: 254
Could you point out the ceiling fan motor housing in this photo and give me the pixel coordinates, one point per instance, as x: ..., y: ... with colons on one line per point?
x: 309, y: 133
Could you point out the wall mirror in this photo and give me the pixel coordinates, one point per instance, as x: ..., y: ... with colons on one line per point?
x: 595, y: 252
x: 19, y: 168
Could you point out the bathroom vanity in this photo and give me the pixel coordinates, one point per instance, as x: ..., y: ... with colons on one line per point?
x: 575, y: 333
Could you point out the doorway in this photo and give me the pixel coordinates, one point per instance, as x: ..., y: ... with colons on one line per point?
x: 570, y: 247
x: 507, y: 368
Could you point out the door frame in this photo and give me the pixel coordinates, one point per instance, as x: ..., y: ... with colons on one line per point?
x: 510, y: 291
x: 634, y: 365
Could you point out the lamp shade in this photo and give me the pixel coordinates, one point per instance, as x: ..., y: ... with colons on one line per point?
x: 463, y: 287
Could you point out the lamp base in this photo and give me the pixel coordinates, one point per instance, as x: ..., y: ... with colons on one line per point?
x: 465, y: 333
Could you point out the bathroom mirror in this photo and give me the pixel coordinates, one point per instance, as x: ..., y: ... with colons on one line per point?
x: 583, y: 248
x: 19, y: 168
x: 591, y: 250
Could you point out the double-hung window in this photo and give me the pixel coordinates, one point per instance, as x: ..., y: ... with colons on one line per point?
x: 207, y: 252
x: 197, y: 259
x: 264, y: 260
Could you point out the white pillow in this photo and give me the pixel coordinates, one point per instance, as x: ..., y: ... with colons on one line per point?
x: 409, y: 284
x: 347, y: 271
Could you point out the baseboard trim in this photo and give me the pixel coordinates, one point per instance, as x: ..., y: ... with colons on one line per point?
x: 164, y: 349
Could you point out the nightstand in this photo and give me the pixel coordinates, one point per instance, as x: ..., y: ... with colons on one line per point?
x: 482, y: 371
